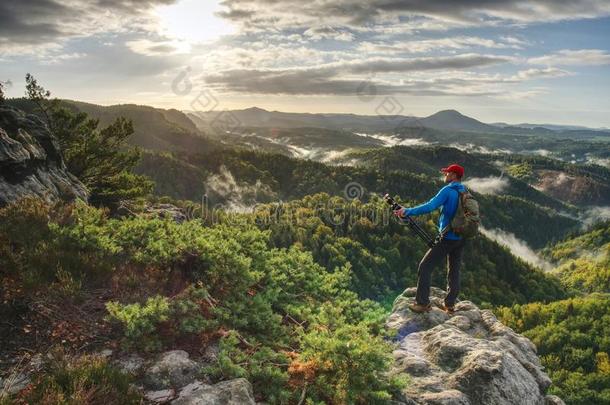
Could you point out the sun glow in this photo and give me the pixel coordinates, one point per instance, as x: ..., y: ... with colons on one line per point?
x: 193, y: 21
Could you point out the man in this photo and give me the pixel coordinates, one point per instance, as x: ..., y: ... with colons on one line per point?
x: 450, y: 244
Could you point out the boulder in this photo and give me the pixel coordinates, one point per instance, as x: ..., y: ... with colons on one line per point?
x: 161, y: 396
x: 30, y: 161
x: 173, y: 369
x: 467, y: 357
x: 553, y: 400
x: 231, y: 392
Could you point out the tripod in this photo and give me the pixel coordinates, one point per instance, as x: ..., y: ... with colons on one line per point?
x: 415, y: 227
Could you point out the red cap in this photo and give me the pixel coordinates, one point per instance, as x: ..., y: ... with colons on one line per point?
x: 457, y: 169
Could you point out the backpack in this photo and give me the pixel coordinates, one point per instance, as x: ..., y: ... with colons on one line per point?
x: 466, y: 220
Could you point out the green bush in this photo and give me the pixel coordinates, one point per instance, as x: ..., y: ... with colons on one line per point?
x: 263, y: 366
x: 188, y: 311
x: 44, y: 244
x: 140, y: 322
x: 348, y: 362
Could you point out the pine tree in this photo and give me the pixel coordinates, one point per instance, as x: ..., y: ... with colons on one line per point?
x: 100, y: 158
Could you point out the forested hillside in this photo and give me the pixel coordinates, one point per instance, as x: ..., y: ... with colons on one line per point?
x: 428, y: 159
x: 572, y: 340
x: 572, y: 335
x: 291, y: 178
x: 575, y: 184
x: 583, y: 261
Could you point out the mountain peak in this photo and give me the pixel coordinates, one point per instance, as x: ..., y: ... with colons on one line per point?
x: 453, y: 120
x: 454, y: 113
x: 255, y: 110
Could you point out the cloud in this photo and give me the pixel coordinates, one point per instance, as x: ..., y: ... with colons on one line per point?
x: 579, y: 57
x: 163, y: 47
x: 60, y: 58
x: 599, y: 161
x: 487, y: 185
x: 328, y: 32
x: 426, y: 45
x: 45, y: 24
x: 542, y: 152
x: 263, y: 14
x: 393, y: 140
x: 541, y: 73
x: 262, y: 54
x: 516, y: 95
x: 331, y: 78
x: 472, y: 148
x: 337, y: 157
x: 287, y: 47
x: 517, y: 247
x: 594, y: 215
x: 237, y: 197
x: 310, y: 73
x: 516, y: 42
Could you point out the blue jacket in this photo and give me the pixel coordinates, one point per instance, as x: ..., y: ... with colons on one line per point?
x: 447, y: 199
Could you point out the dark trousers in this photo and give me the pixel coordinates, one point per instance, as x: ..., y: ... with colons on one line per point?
x: 452, y: 249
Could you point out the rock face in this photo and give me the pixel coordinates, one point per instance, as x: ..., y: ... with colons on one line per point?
x: 175, y: 378
x: 466, y: 358
x: 232, y: 392
x: 30, y: 161
x: 173, y: 369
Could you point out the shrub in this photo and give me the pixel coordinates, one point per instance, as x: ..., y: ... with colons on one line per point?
x: 192, y: 311
x: 264, y: 367
x: 348, y: 363
x: 42, y: 243
x: 140, y: 322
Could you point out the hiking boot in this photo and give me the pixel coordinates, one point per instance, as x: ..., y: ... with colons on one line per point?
x: 449, y: 308
x: 420, y: 308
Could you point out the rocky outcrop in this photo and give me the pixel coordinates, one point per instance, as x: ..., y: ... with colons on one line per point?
x: 169, y: 378
x: 30, y: 161
x: 231, y: 392
x: 174, y: 378
x: 173, y: 369
x: 466, y: 358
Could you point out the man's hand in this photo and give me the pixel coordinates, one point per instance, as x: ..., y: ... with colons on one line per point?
x: 401, y: 212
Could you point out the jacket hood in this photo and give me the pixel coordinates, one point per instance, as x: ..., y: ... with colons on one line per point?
x: 457, y: 186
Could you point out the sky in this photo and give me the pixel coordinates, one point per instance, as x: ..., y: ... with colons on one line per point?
x: 513, y: 61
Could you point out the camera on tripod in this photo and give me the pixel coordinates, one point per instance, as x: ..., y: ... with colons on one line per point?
x: 390, y: 201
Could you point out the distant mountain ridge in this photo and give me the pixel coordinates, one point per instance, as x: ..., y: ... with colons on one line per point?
x: 552, y: 127
x: 258, y: 117
x: 446, y: 120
